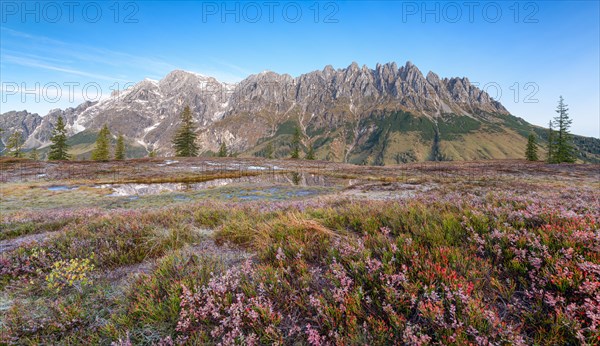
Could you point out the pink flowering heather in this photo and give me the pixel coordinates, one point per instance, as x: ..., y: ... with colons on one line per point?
x: 494, y: 261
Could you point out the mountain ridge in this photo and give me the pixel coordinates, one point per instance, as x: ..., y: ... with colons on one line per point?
x: 340, y: 111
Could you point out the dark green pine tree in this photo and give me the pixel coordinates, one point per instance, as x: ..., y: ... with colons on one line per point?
x: 551, y: 156
x: 185, y: 138
x: 34, y: 155
x: 562, y: 122
x: 296, y: 144
x: 120, y: 148
x: 14, y: 145
x: 102, y: 150
x: 311, y: 153
x: 223, y: 150
x: 59, y: 148
x: 531, y: 151
x: 269, y: 151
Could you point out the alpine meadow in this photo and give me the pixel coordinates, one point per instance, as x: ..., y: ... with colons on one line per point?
x: 300, y: 173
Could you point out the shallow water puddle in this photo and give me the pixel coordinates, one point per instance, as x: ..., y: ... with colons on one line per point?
x: 167, y: 163
x: 269, y: 184
x: 62, y: 188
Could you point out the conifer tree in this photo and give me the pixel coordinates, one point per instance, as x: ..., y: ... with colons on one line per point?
x: 223, y: 150
x: 102, y: 152
x: 551, y: 158
x: 15, y: 144
x: 562, y: 122
x: 269, y: 151
x: 59, y: 148
x: 34, y: 155
x: 531, y: 151
x: 185, y: 138
x: 120, y: 148
x: 296, y: 144
x: 311, y: 153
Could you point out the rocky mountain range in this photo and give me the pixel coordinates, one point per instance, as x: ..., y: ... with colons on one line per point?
x: 383, y: 115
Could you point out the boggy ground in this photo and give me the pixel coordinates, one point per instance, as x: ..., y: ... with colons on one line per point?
x: 232, y: 251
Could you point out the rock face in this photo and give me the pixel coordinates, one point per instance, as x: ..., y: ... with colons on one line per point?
x: 149, y: 111
x: 13, y: 121
x: 42, y: 133
x: 338, y: 111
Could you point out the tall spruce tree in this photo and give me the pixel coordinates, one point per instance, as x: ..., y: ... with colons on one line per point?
x: 310, y: 155
x: 185, y: 138
x: 296, y: 144
x: 14, y: 145
x: 223, y: 150
x: 120, y: 148
x: 102, y: 150
x: 269, y: 151
x: 564, y: 146
x: 34, y: 155
x: 59, y: 148
x: 531, y: 151
x: 551, y: 156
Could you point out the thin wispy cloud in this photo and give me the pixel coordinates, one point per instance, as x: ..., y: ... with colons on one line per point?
x: 4, y: 52
x: 237, y: 68
x: 73, y: 53
x: 51, y: 54
x: 23, y: 61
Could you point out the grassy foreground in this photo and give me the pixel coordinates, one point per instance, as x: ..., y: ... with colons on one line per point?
x: 452, y: 268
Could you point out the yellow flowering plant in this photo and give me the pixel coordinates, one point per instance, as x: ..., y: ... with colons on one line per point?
x: 71, y: 273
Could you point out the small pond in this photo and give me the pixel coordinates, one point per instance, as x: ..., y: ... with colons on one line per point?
x: 295, y: 185
x: 62, y: 188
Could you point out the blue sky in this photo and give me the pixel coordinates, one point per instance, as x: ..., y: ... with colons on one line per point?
x: 525, y: 54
